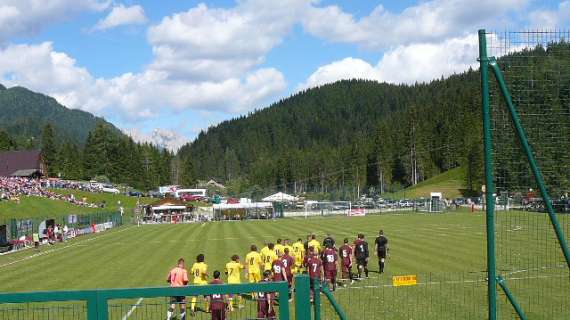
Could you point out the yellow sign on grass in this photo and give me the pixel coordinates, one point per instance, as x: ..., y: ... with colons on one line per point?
x: 409, y: 280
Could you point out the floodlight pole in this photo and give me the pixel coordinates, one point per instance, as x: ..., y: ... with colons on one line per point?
x: 489, y: 185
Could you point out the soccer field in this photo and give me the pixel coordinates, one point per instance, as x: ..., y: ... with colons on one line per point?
x: 446, y: 251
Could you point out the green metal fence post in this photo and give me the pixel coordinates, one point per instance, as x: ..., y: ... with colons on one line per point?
x: 334, y: 303
x: 102, y: 306
x: 512, y: 300
x: 92, y: 306
x: 302, y: 297
x: 317, y: 299
x: 532, y: 161
x: 489, y: 185
x: 284, y: 303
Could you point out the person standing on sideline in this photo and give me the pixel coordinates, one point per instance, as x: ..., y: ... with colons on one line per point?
x: 65, y: 231
x: 177, y: 277
x: 381, y: 246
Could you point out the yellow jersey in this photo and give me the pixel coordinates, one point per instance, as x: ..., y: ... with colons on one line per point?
x: 315, y: 244
x: 268, y: 259
x: 279, y: 249
x: 200, y: 273
x: 253, y: 261
x: 298, y: 253
x: 264, y: 251
x: 233, y: 270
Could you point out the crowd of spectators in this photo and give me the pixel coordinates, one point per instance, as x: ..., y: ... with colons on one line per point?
x: 75, y: 185
x: 13, y: 188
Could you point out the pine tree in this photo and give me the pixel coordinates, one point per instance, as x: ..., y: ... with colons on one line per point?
x: 49, y: 149
x: 6, y: 141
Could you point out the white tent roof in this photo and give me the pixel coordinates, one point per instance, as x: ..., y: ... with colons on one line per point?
x: 280, y: 197
x: 250, y: 205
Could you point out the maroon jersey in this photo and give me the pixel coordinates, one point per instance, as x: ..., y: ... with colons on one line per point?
x: 314, y: 265
x: 265, y: 301
x: 217, y: 300
x: 278, y: 269
x: 346, y: 255
x: 288, y: 263
x: 329, y: 259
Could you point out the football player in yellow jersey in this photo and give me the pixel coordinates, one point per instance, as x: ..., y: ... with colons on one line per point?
x: 299, y: 255
x: 233, y: 271
x: 200, y: 273
x: 279, y: 248
x: 269, y: 257
x: 287, y: 245
x: 315, y: 244
x: 265, y: 249
x: 253, y: 265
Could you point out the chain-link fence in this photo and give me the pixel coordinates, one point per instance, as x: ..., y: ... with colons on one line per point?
x: 527, y: 153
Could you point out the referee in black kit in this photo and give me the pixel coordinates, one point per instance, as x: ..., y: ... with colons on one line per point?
x: 381, y: 245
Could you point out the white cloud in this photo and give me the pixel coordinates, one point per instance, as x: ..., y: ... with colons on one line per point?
x: 551, y: 18
x: 404, y: 64
x: 211, y: 59
x: 214, y: 44
x: 122, y: 16
x: 429, y: 21
x: 131, y: 96
x: 25, y: 17
x: 167, y: 139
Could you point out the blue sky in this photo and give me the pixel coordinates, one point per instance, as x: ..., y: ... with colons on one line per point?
x: 164, y: 70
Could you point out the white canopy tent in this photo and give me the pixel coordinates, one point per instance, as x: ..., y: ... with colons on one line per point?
x: 251, y: 205
x: 280, y: 197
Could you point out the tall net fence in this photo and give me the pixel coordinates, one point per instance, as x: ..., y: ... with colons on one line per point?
x: 536, y: 70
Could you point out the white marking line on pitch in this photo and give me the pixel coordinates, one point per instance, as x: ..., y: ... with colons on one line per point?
x: 449, y: 282
x: 133, y: 308
x: 78, y: 244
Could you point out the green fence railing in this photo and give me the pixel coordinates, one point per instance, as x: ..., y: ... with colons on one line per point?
x: 105, y: 304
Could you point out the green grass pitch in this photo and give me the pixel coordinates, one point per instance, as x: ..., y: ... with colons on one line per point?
x: 446, y: 251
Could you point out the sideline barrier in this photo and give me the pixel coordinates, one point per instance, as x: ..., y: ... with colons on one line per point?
x: 96, y: 304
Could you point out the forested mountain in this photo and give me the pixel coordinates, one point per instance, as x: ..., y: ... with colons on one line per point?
x: 356, y: 135
x: 23, y: 114
x: 76, y: 144
x: 348, y: 135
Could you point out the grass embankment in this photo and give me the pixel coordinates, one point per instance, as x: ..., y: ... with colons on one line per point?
x: 450, y: 183
x: 32, y: 207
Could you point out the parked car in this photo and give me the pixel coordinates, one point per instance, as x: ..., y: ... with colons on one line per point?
x: 110, y: 189
x: 135, y: 193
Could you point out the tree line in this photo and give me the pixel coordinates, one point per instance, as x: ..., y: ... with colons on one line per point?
x: 106, y: 155
x: 358, y: 136
x: 348, y: 137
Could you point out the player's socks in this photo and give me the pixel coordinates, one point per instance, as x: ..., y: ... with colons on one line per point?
x: 183, y: 315
x: 169, y: 315
x: 193, y: 304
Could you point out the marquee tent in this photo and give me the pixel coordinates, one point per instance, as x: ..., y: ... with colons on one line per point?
x: 280, y: 197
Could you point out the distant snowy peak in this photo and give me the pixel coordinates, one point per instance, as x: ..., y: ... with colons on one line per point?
x: 162, y: 138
